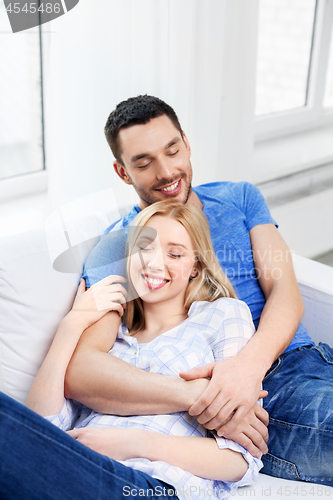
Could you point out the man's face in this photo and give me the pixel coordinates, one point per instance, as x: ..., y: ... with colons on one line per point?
x: 156, y: 161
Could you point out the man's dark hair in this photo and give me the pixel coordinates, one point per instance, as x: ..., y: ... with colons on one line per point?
x: 135, y: 111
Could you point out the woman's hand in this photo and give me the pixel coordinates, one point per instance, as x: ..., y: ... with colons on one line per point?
x: 104, y: 296
x: 119, y: 444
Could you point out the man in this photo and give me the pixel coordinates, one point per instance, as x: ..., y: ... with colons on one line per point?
x: 152, y: 153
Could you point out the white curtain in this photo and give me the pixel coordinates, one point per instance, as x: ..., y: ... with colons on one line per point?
x: 198, y: 55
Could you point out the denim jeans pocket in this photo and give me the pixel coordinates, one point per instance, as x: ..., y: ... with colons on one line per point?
x: 274, y: 368
x: 277, y: 467
x: 325, y: 351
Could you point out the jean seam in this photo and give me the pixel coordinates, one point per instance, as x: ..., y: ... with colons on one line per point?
x: 275, y: 370
x: 291, y: 425
x: 273, y: 459
x: 328, y: 352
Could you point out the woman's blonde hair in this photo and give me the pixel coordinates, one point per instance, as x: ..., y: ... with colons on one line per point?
x: 210, y: 283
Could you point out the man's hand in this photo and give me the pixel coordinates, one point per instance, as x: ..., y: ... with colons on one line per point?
x: 229, y: 404
x: 252, y: 432
x: 234, y: 388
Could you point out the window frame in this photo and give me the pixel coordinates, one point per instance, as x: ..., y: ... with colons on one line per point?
x: 313, y: 114
x: 28, y: 183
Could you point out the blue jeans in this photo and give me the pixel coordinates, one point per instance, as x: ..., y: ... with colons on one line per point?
x: 300, y: 407
x: 39, y: 461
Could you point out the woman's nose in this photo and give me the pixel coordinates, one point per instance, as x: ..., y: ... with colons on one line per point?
x: 156, y: 261
x: 155, y: 266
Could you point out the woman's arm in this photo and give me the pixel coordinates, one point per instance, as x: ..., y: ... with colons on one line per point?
x: 46, y: 395
x: 198, y: 455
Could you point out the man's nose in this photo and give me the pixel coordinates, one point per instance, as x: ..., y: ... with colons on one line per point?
x: 164, y: 170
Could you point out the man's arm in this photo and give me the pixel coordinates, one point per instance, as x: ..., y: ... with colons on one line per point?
x: 236, y: 382
x: 109, y: 385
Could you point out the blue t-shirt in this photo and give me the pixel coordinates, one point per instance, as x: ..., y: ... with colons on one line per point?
x: 232, y: 210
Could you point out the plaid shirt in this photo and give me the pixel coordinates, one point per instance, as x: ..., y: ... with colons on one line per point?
x: 213, y: 331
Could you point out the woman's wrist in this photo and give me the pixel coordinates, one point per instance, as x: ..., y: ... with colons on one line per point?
x: 133, y: 443
x: 76, y: 320
x: 194, y: 390
x: 66, y: 338
x: 142, y: 443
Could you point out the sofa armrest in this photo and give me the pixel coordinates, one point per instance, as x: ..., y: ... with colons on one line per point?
x: 316, y: 284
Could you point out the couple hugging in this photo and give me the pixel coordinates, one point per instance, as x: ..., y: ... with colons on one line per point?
x: 175, y: 346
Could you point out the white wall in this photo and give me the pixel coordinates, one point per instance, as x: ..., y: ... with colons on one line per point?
x: 306, y: 223
x: 198, y: 56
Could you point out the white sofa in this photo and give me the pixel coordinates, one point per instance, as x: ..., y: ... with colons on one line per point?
x: 34, y: 297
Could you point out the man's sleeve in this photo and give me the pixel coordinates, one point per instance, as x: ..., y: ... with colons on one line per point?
x: 252, y: 203
x: 108, y: 257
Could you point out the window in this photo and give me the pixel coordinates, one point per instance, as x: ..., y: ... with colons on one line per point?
x: 21, y: 112
x: 328, y: 97
x: 284, y: 53
x: 295, y: 66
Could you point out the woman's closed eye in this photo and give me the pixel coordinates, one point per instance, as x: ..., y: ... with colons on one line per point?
x: 145, y: 248
x: 175, y: 256
x: 145, y: 244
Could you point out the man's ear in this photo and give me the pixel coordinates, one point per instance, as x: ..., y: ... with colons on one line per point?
x: 187, y: 144
x: 121, y: 171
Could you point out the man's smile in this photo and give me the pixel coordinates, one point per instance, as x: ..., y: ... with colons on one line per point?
x: 172, y: 188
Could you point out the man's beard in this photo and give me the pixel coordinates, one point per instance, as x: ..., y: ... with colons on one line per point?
x: 149, y: 200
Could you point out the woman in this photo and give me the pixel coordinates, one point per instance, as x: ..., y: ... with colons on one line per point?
x: 183, y: 314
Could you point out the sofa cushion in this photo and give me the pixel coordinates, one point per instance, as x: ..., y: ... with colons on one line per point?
x: 33, y: 299
x: 39, y: 274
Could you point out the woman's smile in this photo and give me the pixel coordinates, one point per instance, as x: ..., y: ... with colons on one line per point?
x: 153, y: 282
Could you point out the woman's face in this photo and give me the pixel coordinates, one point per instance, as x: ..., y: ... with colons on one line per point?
x: 162, y: 261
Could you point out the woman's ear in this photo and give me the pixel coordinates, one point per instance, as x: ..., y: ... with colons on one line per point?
x: 194, y: 273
